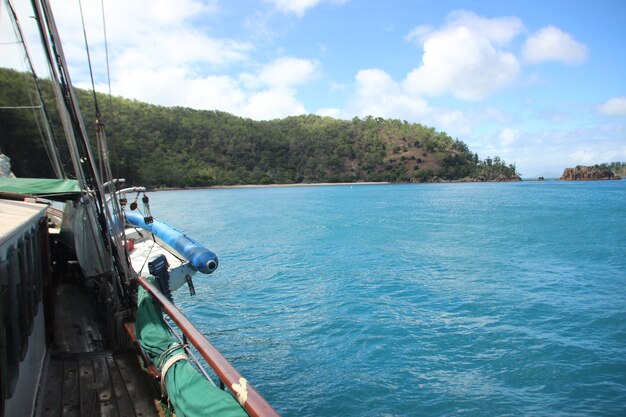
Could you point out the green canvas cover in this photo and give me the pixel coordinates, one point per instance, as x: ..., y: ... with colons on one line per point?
x: 189, y: 392
x: 38, y: 186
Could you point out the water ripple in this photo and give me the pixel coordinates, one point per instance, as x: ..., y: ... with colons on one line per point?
x: 441, y: 300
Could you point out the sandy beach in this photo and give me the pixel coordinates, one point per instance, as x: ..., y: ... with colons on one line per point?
x: 316, y: 184
x: 297, y: 185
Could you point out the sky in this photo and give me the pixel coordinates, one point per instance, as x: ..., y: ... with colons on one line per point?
x: 541, y: 84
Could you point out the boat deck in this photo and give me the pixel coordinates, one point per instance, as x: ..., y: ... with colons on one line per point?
x: 84, y: 376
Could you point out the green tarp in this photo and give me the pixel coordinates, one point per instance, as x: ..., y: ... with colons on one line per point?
x: 189, y: 392
x: 38, y: 186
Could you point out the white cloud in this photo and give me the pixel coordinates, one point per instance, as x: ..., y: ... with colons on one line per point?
x: 499, y: 30
x: 297, y: 7
x: 418, y: 34
x: 614, y: 107
x: 270, y: 91
x: 466, y: 57
x: 148, y: 37
x: 137, y: 23
x: 509, y: 136
x: 547, y: 152
x: 172, y: 86
x: 330, y: 112
x: 273, y: 104
x: 552, y: 44
x: 163, y: 12
x: 377, y: 94
x: 169, y: 57
x: 375, y: 82
x: 288, y: 71
x: 281, y: 73
x: 258, y: 95
x: 589, y: 155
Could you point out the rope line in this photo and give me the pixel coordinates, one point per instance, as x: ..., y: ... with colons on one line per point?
x: 106, y: 54
x: 93, y: 85
x: 148, y: 256
x: 19, y: 107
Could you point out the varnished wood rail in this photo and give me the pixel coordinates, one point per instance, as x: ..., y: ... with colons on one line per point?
x: 254, y: 404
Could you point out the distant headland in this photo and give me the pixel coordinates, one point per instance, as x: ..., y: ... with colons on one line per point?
x: 588, y: 173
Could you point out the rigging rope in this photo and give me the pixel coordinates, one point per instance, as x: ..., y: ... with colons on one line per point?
x: 106, y: 54
x: 93, y: 90
x: 46, y: 133
x: 106, y: 174
x: 93, y: 86
x: 18, y: 107
x: 77, y: 133
x: 48, y: 36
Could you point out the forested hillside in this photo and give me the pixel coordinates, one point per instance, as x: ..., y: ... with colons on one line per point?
x: 179, y: 147
x: 617, y: 168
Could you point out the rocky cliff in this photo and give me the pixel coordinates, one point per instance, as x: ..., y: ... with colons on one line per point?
x: 587, y: 173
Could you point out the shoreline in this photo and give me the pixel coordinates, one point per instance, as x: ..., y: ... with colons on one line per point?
x: 323, y: 184
x: 303, y: 184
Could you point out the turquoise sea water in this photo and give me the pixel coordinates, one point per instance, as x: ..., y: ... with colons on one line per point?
x: 416, y: 300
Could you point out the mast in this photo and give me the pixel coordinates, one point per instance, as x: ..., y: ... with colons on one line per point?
x: 78, y: 141
x: 78, y: 138
x: 56, y: 88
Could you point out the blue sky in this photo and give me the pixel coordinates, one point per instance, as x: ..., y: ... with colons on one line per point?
x: 539, y: 83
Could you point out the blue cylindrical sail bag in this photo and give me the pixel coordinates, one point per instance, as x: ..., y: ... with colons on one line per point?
x: 200, y: 257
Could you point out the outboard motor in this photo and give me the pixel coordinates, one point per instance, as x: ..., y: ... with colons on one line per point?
x: 158, y: 268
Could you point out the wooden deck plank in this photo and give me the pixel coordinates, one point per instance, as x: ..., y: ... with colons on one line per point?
x: 88, y: 387
x: 84, y: 377
x: 140, y: 387
x: 106, y: 396
x: 77, y: 326
x: 53, y: 390
x: 122, y: 398
x: 70, y: 405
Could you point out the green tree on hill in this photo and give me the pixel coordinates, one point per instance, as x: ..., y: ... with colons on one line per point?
x: 179, y: 147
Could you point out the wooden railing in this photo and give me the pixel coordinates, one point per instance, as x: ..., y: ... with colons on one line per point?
x: 254, y: 404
